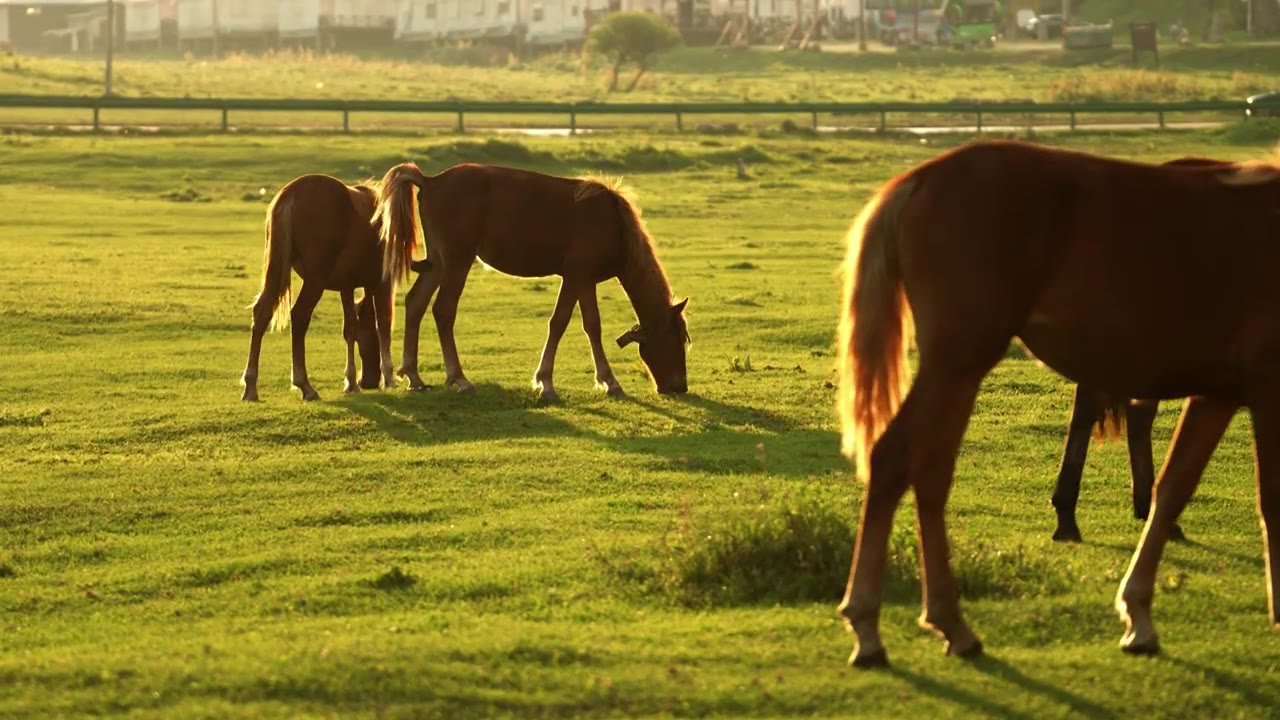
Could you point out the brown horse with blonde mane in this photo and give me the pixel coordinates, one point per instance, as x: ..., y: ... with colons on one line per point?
x: 320, y: 227
x: 1112, y: 418
x: 1142, y: 281
x: 528, y: 224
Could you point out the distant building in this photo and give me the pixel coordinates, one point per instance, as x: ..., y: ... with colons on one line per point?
x: 330, y: 24
x: 55, y: 26
x: 151, y: 23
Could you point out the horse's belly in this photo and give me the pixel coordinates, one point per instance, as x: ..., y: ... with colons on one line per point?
x: 1127, y: 365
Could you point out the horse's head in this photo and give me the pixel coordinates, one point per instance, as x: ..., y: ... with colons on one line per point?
x: 662, y: 348
x: 367, y: 341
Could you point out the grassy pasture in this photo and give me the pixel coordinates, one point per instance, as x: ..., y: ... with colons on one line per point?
x: 167, y: 551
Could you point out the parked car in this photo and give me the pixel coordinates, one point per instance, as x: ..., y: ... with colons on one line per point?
x: 1263, y: 105
x: 1045, y: 27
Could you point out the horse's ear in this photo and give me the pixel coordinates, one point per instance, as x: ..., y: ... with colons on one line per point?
x: 630, y: 336
x: 679, y: 307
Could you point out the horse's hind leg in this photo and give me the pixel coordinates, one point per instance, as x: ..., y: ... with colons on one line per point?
x: 262, y: 312
x: 542, y: 377
x: 886, y: 483
x: 1199, y: 429
x: 946, y: 402
x: 1140, y: 416
x: 349, y: 329
x: 590, y: 305
x: 300, y: 319
x: 416, y: 303
x: 1066, y: 493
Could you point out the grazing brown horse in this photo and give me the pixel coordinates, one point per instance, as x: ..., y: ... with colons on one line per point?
x: 528, y: 224
x: 320, y: 227
x: 1092, y: 408
x: 1140, y: 280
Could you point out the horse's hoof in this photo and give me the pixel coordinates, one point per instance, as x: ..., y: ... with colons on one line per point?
x: 249, y: 396
x: 351, y: 389
x: 1132, y: 646
x: 463, y: 387
x: 1071, y: 534
x: 548, y: 397
x: 616, y: 392
x: 968, y: 652
x: 867, y: 661
x: 1176, y: 534
x: 310, y: 396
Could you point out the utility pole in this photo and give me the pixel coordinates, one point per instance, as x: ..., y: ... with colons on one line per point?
x: 1249, y: 19
x: 1066, y: 14
x: 915, y: 24
x: 862, y: 25
x: 111, y: 44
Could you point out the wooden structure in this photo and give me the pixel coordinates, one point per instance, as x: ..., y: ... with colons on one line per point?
x: 1142, y: 36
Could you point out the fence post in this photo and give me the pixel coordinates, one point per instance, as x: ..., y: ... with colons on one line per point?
x: 979, y: 121
x: 225, y: 124
x: 883, y: 122
x: 573, y: 122
x: 679, y: 122
x: 96, y: 125
x: 1160, y: 115
x: 1073, y: 119
x: 346, y: 120
x: 462, y: 125
x: 815, y: 120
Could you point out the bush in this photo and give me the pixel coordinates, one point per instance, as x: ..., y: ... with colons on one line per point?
x: 631, y: 37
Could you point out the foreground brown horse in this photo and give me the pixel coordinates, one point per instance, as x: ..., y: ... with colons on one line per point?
x: 530, y: 225
x: 320, y: 227
x: 1092, y: 408
x: 1139, y: 280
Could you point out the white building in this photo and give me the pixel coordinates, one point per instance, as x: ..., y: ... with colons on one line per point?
x: 235, y: 18
x: 324, y: 21
x: 532, y: 21
x: 148, y: 22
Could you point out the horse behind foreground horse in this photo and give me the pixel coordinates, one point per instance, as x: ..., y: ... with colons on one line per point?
x: 1112, y: 417
x: 1142, y: 281
x: 320, y: 227
x: 528, y: 224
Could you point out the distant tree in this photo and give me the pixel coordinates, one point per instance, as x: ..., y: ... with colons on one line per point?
x: 631, y: 37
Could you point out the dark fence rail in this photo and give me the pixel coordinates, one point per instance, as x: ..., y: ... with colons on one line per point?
x: 573, y: 110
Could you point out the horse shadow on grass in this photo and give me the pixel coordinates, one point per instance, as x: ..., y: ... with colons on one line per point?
x: 983, y: 703
x: 705, y: 435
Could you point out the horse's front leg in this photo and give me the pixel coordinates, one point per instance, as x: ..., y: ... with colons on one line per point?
x: 1266, y: 434
x: 605, y: 379
x: 384, y: 305
x: 1200, y: 427
x: 415, y: 308
x: 445, y: 311
x: 542, y: 377
x: 349, y: 331
x: 1066, y: 492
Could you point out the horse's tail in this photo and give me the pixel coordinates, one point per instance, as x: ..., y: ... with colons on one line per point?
x: 1111, y: 417
x: 277, y: 261
x: 875, y: 327
x: 396, y: 220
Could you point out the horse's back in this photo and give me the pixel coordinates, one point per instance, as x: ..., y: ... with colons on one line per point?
x: 1148, y: 266
x: 332, y: 235
x: 523, y: 222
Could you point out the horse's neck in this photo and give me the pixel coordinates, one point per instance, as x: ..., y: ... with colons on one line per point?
x: 648, y: 290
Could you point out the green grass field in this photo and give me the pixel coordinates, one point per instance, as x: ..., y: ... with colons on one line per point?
x: 168, y: 551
